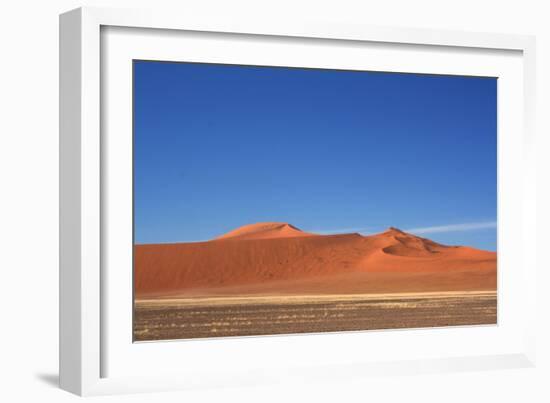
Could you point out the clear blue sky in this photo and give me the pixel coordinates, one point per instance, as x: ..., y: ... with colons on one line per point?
x: 218, y: 146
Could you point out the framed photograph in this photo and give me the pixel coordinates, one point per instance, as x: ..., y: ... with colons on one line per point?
x: 228, y: 158
x: 251, y: 202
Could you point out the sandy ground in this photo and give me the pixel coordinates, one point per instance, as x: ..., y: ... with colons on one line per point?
x: 163, y: 319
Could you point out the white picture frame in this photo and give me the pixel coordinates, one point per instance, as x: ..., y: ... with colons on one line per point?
x: 93, y: 346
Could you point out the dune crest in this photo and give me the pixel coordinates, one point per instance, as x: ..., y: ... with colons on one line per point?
x: 278, y: 258
x: 265, y: 230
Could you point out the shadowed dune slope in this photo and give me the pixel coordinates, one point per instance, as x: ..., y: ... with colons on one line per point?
x: 278, y: 258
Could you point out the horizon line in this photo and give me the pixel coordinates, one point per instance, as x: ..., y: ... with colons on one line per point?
x: 366, y: 231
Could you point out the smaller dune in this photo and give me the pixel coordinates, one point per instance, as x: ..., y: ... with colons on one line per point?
x: 409, y: 245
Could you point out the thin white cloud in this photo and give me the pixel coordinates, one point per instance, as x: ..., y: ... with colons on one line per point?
x: 471, y: 226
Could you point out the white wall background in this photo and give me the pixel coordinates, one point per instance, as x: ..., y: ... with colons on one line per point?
x: 29, y: 197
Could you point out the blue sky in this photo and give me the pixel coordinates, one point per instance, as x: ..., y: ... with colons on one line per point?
x: 218, y: 146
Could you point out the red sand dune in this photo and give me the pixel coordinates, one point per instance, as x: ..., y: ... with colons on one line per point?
x: 278, y: 258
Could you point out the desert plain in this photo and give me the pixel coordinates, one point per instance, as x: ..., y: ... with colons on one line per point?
x: 272, y: 278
